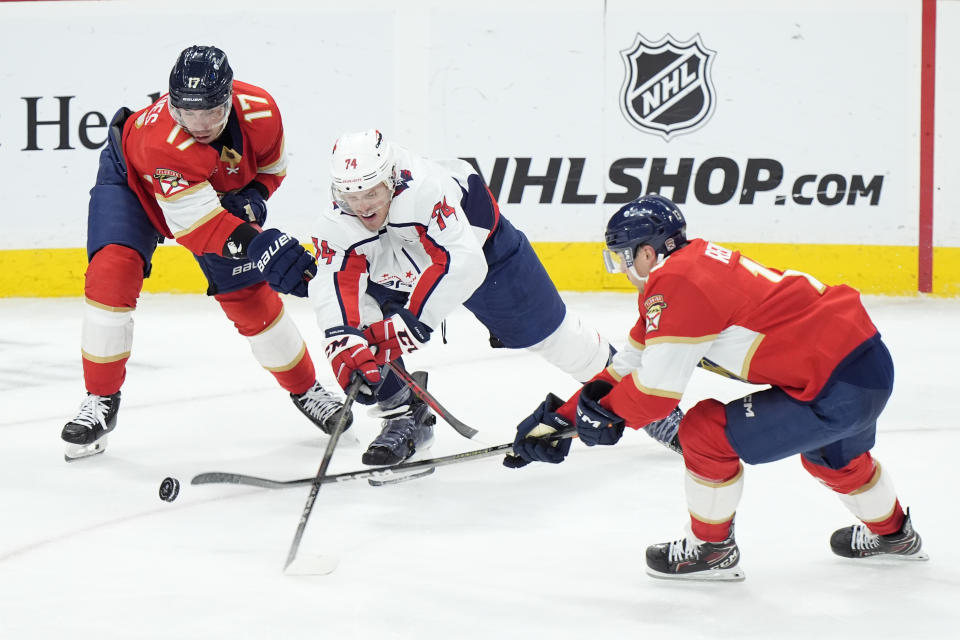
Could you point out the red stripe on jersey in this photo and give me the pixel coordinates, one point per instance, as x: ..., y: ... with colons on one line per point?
x: 496, y: 213
x: 431, y: 275
x: 347, y: 283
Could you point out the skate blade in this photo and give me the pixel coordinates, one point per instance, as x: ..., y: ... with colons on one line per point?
x: 734, y: 574
x: 397, y: 479
x: 75, y: 452
x: 309, y: 564
x: 892, y: 558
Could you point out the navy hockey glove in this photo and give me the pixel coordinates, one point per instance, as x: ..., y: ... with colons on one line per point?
x: 596, y: 424
x: 248, y: 204
x: 397, y: 335
x: 531, y: 444
x: 285, y: 263
x: 350, y: 356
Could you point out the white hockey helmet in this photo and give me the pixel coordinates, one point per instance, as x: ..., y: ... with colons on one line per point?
x: 360, y: 162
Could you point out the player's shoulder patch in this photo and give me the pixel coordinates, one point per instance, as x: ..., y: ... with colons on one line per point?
x: 654, y: 306
x: 170, y: 181
x: 404, y: 178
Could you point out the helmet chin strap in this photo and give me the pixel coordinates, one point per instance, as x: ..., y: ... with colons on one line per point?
x: 635, y: 278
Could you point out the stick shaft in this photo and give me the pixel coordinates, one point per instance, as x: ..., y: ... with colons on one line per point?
x: 460, y: 427
x: 322, y: 471
x: 219, y: 477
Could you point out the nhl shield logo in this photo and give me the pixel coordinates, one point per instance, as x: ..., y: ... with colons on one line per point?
x: 667, y: 89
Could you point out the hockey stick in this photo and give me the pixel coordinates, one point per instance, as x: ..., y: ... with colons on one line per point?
x: 439, y: 409
x: 320, y: 566
x: 217, y: 477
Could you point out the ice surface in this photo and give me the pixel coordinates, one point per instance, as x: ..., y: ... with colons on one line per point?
x: 88, y: 550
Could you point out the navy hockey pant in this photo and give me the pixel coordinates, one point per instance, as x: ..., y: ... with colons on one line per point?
x: 831, y: 430
x: 517, y: 301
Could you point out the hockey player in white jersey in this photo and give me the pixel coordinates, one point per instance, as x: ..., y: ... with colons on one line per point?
x: 407, y: 241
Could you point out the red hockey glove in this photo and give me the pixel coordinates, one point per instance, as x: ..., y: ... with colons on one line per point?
x: 397, y: 335
x: 350, y: 355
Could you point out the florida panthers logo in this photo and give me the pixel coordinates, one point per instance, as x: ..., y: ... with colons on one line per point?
x: 667, y: 88
x: 171, y: 182
x: 654, y: 306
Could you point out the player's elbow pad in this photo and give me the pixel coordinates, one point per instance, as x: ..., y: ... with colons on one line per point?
x: 236, y: 245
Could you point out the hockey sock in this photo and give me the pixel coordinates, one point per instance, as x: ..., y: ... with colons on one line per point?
x: 865, y: 489
x: 258, y: 314
x: 714, y: 479
x: 712, y: 505
x: 112, y: 285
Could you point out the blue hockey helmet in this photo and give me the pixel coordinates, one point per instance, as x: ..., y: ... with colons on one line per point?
x: 651, y: 219
x: 201, y: 79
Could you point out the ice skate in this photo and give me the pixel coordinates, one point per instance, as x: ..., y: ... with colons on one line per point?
x: 666, y: 431
x: 858, y: 541
x: 690, y: 558
x: 86, y: 434
x: 407, y: 430
x: 321, y: 407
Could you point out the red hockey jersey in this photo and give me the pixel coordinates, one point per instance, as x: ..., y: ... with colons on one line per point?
x: 708, y: 305
x: 179, y: 180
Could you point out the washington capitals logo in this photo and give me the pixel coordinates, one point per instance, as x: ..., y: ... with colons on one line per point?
x: 402, y: 180
x: 667, y: 89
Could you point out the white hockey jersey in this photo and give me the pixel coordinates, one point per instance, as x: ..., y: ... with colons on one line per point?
x: 429, y: 248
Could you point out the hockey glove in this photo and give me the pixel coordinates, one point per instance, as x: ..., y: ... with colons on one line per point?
x: 280, y: 257
x: 596, y: 424
x: 350, y: 355
x: 248, y: 204
x: 531, y: 444
x: 397, y: 335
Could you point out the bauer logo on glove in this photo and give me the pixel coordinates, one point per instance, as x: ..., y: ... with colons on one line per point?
x: 277, y: 244
x: 284, y: 262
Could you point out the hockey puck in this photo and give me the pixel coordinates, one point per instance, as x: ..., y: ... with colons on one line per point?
x: 169, y: 489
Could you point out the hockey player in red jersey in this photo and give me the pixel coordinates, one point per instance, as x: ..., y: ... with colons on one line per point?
x: 197, y: 166
x: 830, y: 376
